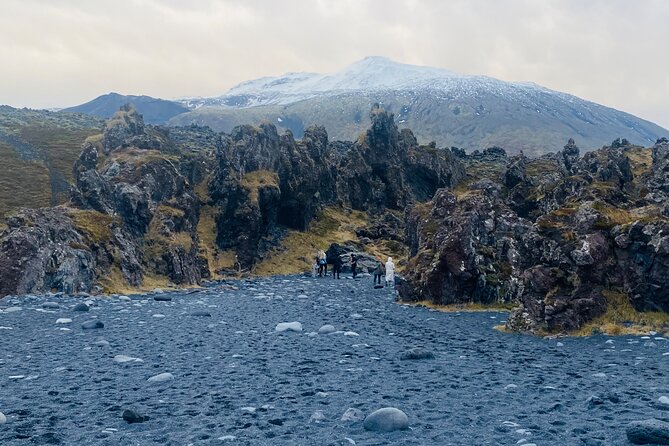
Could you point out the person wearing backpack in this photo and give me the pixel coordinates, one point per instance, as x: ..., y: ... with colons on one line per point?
x: 322, y: 263
x: 354, y: 265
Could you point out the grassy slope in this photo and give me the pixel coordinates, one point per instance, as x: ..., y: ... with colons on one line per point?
x: 58, y: 138
x: 22, y: 183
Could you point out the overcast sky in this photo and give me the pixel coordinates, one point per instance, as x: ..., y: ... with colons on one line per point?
x: 59, y: 53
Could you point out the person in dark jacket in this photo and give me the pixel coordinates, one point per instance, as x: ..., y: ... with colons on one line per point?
x: 378, y: 273
x: 336, y: 267
x: 354, y: 265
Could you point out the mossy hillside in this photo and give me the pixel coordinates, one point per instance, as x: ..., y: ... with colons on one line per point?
x: 22, y: 183
x: 60, y: 146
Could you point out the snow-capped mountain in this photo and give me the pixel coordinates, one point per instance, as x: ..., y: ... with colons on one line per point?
x: 472, y: 112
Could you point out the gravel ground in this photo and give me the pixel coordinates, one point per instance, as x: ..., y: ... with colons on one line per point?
x: 238, y: 381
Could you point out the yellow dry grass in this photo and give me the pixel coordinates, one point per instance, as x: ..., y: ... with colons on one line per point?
x: 470, y: 307
x: 206, y: 231
x: 641, y: 160
x: 298, y: 249
x: 253, y: 181
x: 114, y: 283
x: 95, y: 225
x: 622, y: 319
x: 22, y: 183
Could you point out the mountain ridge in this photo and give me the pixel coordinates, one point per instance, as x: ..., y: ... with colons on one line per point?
x: 470, y: 111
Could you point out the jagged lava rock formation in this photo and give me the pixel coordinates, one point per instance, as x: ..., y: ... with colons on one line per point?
x: 561, y: 235
x: 135, y: 212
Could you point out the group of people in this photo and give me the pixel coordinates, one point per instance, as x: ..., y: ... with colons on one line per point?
x: 381, y: 270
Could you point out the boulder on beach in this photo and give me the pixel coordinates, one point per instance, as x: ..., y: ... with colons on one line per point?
x: 92, y: 324
x: 288, y: 326
x: 387, y: 419
x: 650, y: 431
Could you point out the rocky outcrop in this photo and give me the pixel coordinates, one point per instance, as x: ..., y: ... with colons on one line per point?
x: 555, y: 234
x: 264, y: 182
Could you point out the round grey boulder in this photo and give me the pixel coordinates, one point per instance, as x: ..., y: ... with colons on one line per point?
x: 416, y: 353
x: 81, y: 307
x: 50, y: 305
x: 288, y: 326
x: 160, y: 378
x: 387, y: 419
x: 162, y: 298
x: 132, y: 416
x: 325, y: 329
x: 92, y: 325
x: 648, y: 432
x: 3, y: 418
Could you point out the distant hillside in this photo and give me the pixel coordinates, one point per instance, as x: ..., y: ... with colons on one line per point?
x: 155, y: 111
x: 472, y: 112
x: 38, y: 149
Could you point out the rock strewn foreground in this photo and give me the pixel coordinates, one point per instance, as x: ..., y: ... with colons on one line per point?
x: 221, y: 373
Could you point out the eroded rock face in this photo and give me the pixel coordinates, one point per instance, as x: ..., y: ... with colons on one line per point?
x: 556, y: 234
x: 42, y: 250
x: 264, y: 182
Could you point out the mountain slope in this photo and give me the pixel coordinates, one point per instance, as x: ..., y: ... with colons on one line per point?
x: 473, y: 112
x: 155, y: 111
x: 37, y: 149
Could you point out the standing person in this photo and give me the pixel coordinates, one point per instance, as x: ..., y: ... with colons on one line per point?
x: 378, y: 273
x: 354, y: 265
x: 322, y: 263
x: 336, y: 267
x: 390, y: 272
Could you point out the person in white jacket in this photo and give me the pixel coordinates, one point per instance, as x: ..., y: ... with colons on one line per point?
x: 390, y: 272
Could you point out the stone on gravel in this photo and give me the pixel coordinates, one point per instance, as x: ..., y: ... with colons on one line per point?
x: 416, y: 354
x: 352, y: 415
x: 201, y: 314
x: 124, y: 298
x: 387, y: 419
x: 160, y: 378
x: 317, y: 416
x: 162, y: 298
x: 50, y: 305
x: 325, y: 329
x: 132, y: 416
x: 3, y: 419
x: 351, y: 333
x: 92, y: 325
x: 125, y: 358
x: 288, y: 326
x: 650, y: 431
x: 81, y: 307
x: 664, y: 400
x: 63, y: 320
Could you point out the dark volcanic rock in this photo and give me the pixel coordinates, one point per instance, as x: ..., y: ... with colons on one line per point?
x: 648, y: 432
x: 564, y: 242
x: 92, y: 325
x: 131, y: 416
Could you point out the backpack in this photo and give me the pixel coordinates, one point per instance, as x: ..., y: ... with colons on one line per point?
x: 322, y: 262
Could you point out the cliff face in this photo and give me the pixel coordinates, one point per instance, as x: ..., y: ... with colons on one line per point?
x: 135, y: 210
x: 557, y: 234
x: 264, y: 182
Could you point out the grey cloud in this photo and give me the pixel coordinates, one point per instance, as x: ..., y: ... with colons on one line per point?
x: 63, y: 52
